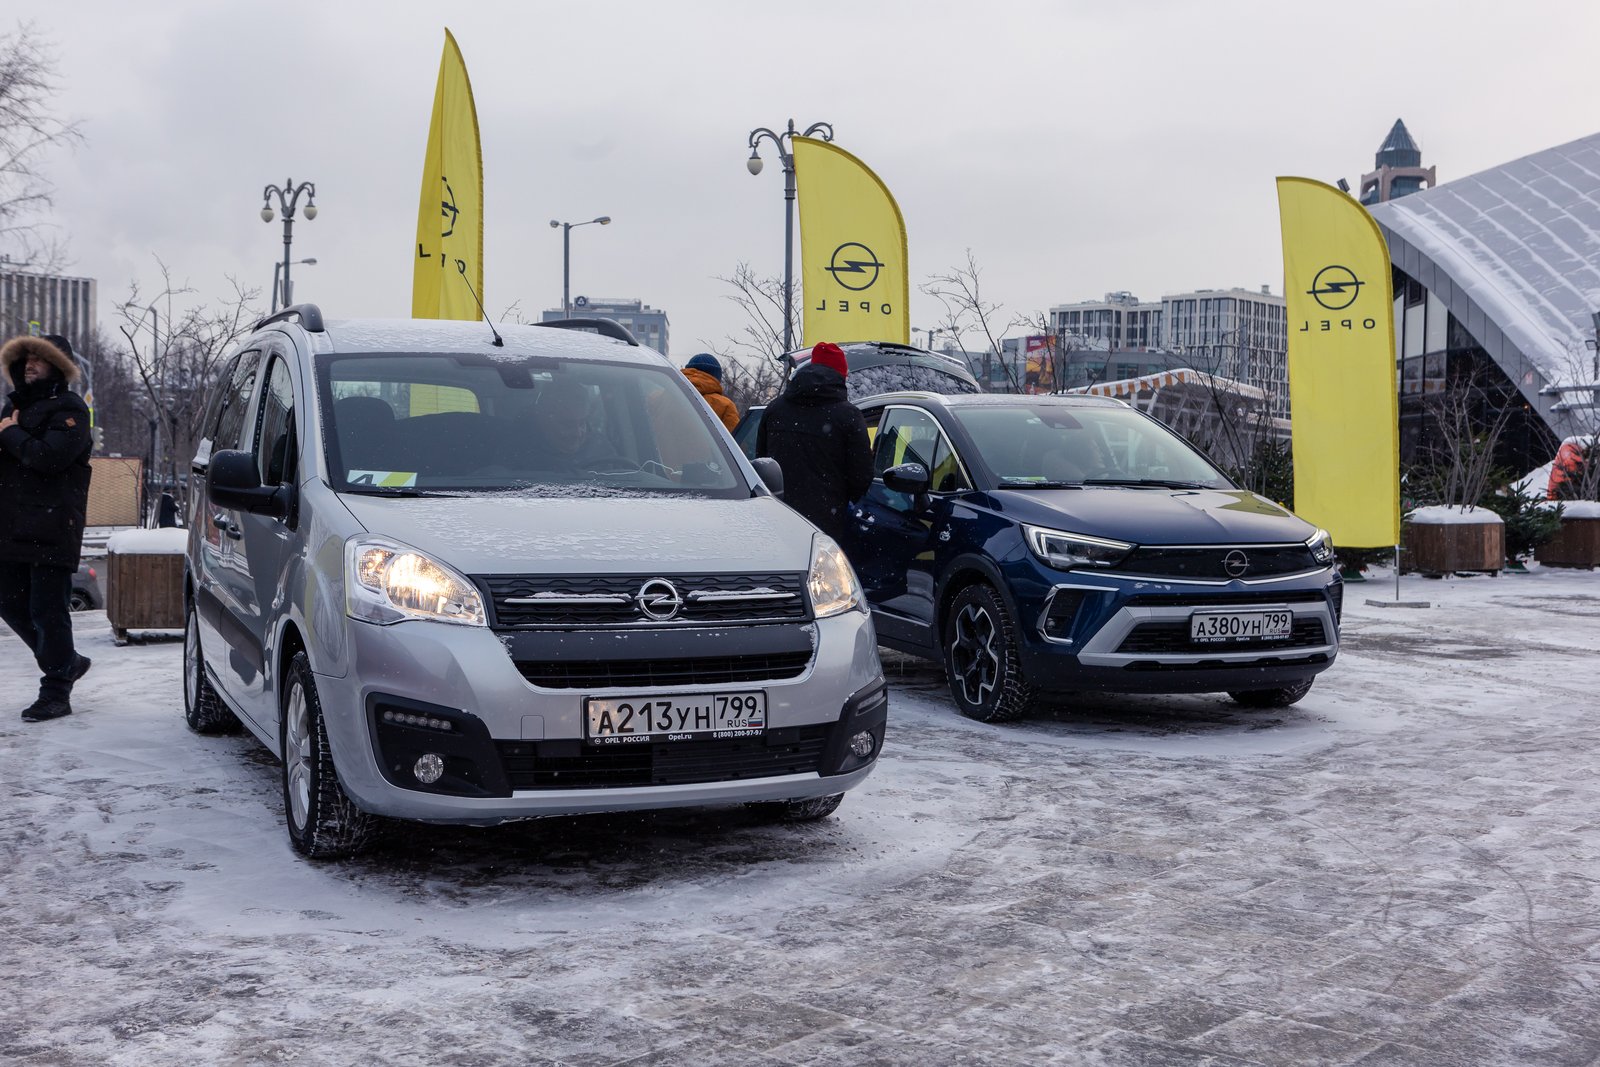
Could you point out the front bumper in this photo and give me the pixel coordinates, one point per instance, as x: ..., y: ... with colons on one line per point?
x: 513, y: 749
x: 1103, y: 631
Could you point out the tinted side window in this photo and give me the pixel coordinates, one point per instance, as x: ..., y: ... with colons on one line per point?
x: 912, y: 436
x: 208, y: 422
x: 274, y: 445
x: 236, y: 403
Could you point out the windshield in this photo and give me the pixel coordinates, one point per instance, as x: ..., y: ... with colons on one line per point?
x: 1037, y: 444
x: 404, y: 424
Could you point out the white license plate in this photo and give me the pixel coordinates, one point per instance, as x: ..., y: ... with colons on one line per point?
x: 678, y: 717
x: 1207, y: 627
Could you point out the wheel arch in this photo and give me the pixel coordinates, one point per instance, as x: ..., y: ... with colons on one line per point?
x: 966, y: 570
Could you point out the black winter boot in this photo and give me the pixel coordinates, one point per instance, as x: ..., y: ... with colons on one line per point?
x: 51, y: 707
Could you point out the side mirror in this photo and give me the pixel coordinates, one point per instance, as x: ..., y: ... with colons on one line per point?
x: 910, y: 478
x: 233, y: 482
x: 771, y: 474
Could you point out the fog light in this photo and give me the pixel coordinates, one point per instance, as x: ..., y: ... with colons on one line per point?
x: 429, y: 769
x: 861, y: 745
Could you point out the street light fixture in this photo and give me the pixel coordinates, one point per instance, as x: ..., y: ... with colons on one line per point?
x: 566, y: 258
x: 277, y: 269
x: 783, y: 142
x: 288, y: 196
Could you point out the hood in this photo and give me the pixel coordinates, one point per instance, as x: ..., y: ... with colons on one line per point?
x: 593, y: 535
x: 1157, y: 516
x: 814, y: 386
x: 704, y: 383
x: 19, y: 348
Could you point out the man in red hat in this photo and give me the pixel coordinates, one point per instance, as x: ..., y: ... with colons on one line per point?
x: 820, y: 440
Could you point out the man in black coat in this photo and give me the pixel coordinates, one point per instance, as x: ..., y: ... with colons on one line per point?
x: 44, y: 498
x: 820, y: 440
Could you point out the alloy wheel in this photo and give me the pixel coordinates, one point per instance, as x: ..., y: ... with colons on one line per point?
x: 973, y: 655
x: 297, y: 754
x: 191, y: 663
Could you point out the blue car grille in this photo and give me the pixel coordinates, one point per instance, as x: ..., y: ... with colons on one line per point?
x: 1211, y: 562
x: 1173, y: 637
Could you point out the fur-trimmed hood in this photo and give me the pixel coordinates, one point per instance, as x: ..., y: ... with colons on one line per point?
x: 19, y: 348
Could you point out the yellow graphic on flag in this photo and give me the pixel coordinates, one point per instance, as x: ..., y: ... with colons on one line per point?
x: 852, y: 249
x: 449, y: 246
x: 1342, y: 396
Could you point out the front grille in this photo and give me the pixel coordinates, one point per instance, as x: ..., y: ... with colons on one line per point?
x: 570, y: 765
x: 699, y: 670
x: 586, y: 601
x: 1173, y: 637
x: 1208, y: 563
x: 1214, y: 600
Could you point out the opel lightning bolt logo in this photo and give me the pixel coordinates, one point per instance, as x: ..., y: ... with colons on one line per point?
x: 659, y: 600
x: 1236, y: 563
x: 854, y: 263
x: 448, y: 209
x: 1335, y: 287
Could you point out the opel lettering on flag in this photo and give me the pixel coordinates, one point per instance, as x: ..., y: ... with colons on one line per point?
x: 852, y: 249
x: 1342, y: 398
x: 448, y: 258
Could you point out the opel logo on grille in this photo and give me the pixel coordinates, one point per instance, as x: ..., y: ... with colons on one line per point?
x: 659, y: 600
x: 1236, y: 563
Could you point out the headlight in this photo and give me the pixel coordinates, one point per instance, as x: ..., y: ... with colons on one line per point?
x: 386, y: 582
x: 831, y: 583
x: 1067, y: 550
x: 1321, y: 546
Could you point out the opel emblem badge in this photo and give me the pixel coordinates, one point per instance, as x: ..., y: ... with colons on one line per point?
x: 659, y: 600
x: 1236, y: 563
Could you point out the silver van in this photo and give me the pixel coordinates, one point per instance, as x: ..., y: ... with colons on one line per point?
x: 454, y: 578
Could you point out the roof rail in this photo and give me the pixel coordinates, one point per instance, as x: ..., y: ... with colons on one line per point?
x: 310, y: 317
x: 604, y: 327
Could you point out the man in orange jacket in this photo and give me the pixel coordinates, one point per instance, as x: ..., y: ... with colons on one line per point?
x: 705, y: 374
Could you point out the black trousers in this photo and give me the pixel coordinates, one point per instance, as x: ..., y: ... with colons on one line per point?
x: 35, y: 602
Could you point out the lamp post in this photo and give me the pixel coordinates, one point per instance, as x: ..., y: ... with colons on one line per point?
x: 566, y: 258
x: 277, y: 269
x: 783, y: 142
x: 288, y: 196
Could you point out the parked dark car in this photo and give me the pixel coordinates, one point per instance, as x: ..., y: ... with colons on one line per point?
x: 86, y: 594
x: 1059, y: 543
x: 875, y: 367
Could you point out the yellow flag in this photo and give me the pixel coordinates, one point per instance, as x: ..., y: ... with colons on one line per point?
x: 852, y: 249
x: 449, y: 247
x: 1342, y: 395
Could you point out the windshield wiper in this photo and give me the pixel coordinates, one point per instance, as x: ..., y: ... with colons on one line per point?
x: 1030, y: 483
x: 1156, y: 483
x: 393, y: 490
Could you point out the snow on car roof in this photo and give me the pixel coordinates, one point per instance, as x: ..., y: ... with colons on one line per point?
x: 521, y: 341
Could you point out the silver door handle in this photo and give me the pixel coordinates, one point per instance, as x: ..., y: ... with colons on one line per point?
x: 221, y: 522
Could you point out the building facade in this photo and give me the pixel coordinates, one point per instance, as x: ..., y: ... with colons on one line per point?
x: 48, y: 303
x: 1234, y: 333
x: 1399, y: 170
x: 1119, y: 322
x: 646, y: 323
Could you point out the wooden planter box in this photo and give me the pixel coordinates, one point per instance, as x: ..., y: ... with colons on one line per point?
x: 144, y: 591
x: 1447, y: 547
x: 1576, y: 544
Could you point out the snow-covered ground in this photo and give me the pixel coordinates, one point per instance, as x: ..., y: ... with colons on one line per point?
x: 1403, y: 868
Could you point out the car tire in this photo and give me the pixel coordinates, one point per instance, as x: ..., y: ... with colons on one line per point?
x: 203, y: 708
x: 809, y: 809
x: 1281, y: 697
x: 80, y: 600
x: 323, y: 822
x: 981, y: 659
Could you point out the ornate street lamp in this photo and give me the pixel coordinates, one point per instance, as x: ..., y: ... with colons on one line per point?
x: 288, y: 196
x: 786, y: 157
x: 566, y: 258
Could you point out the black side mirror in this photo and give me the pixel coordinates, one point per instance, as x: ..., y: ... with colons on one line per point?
x: 911, y: 479
x: 233, y: 482
x: 771, y: 474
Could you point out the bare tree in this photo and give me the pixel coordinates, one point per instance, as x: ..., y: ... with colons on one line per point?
x: 761, y: 300
x: 966, y: 312
x: 29, y: 127
x: 749, y: 382
x: 1458, y: 463
x: 175, y: 357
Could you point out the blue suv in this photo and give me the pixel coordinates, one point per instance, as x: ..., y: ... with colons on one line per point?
x: 1050, y: 543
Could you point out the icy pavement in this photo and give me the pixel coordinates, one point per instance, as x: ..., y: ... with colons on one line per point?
x: 1402, y: 869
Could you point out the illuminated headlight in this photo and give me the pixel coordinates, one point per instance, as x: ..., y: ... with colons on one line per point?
x: 386, y: 582
x: 832, y: 582
x: 1321, y: 546
x: 1067, y: 550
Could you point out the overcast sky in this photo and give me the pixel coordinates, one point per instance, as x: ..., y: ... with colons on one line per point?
x: 1074, y: 147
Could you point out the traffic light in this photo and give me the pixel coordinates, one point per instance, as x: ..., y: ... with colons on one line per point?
x: 97, y: 434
